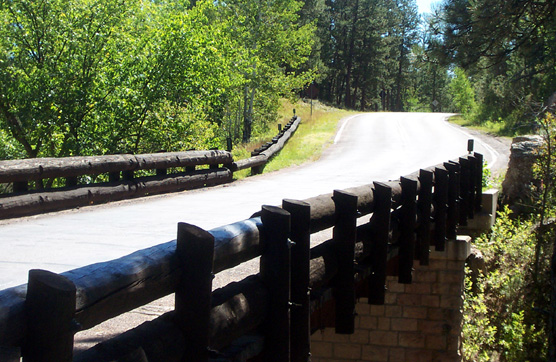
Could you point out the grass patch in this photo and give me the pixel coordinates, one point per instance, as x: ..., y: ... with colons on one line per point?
x: 490, y: 127
x: 315, y: 132
x: 501, y: 128
x: 240, y: 153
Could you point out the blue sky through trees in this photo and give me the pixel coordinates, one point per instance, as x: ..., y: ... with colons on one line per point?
x: 425, y: 5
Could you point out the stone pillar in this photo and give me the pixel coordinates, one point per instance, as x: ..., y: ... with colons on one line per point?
x: 418, y: 322
x: 483, y: 220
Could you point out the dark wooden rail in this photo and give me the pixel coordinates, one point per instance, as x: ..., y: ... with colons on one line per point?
x: 121, y: 184
x: 397, y: 234
x: 262, y: 155
x: 42, y: 168
x: 122, y: 176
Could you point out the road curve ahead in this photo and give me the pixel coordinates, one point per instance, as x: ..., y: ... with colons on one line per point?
x: 368, y: 147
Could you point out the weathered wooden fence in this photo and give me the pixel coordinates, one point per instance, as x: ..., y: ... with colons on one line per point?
x: 160, y: 173
x: 295, y: 293
x: 263, y: 154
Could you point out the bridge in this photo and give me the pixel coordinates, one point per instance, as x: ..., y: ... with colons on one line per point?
x: 364, y: 151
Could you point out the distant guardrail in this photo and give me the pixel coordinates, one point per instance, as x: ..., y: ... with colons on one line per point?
x: 121, y: 176
x: 263, y: 154
x: 408, y: 216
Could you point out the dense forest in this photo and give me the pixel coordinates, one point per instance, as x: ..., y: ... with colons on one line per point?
x: 491, y: 60
x: 85, y: 77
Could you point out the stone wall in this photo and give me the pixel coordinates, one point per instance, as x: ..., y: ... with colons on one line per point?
x: 418, y: 322
x: 519, y: 182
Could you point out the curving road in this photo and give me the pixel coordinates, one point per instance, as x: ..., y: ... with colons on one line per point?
x: 368, y: 147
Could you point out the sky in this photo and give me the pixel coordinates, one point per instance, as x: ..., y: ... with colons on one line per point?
x: 425, y: 5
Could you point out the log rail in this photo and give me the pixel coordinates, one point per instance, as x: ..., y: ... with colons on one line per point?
x: 121, y: 177
x: 399, y: 221
x: 121, y: 181
x: 263, y: 154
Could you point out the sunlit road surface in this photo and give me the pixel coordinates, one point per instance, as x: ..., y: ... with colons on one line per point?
x: 368, y: 147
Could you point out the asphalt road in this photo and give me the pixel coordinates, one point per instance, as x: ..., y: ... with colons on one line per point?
x: 368, y: 147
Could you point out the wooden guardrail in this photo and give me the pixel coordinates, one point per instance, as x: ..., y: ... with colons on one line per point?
x: 263, y: 154
x: 162, y: 172
x: 407, y: 217
x: 120, y: 174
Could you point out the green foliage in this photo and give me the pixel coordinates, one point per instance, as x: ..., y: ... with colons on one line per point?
x: 509, y: 50
x: 477, y: 329
x: 495, y: 128
x: 502, y: 309
x: 273, y: 46
x: 413, y: 104
x: 544, y: 168
x: 463, y: 95
x: 544, y: 196
x: 93, y: 77
x: 487, y: 176
x: 378, y: 56
x: 172, y: 129
x: 544, y: 171
x: 50, y: 54
x: 9, y: 148
x: 365, y: 52
x: 428, y: 80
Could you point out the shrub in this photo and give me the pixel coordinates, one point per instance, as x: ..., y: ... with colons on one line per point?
x: 463, y: 94
x: 503, y: 313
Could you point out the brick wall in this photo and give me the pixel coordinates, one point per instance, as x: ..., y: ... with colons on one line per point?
x: 418, y: 322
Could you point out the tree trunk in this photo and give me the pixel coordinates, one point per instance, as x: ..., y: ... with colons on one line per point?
x: 434, y: 87
x: 363, y: 99
x: 353, y: 32
x: 552, y: 313
x: 398, y: 105
x: 17, y: 131
x: 248, y: 96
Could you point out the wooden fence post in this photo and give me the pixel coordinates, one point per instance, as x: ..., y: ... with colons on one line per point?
x: 424, y: 204
x: 195, y: 250
x: 440, y: 207
x: 380, y: 223
x: 128, y: 175
x: 408, y: 227
x: 50, y: 307
x: 471, y: 192
x: 300, y: 313
x: 214, y: 166
x: 71, y: 181
x: 114, y: 176
x: 470, y: 145
x: 478, y: 181
x: 256, y: 170
x: 275, y: 274
x: 466, y: 190
x: 344, y: 235
x: 20, y: 186
x: 454, y: 201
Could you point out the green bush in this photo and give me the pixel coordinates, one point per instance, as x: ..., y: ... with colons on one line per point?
x: 503, y: 312
x: 463, y: 94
